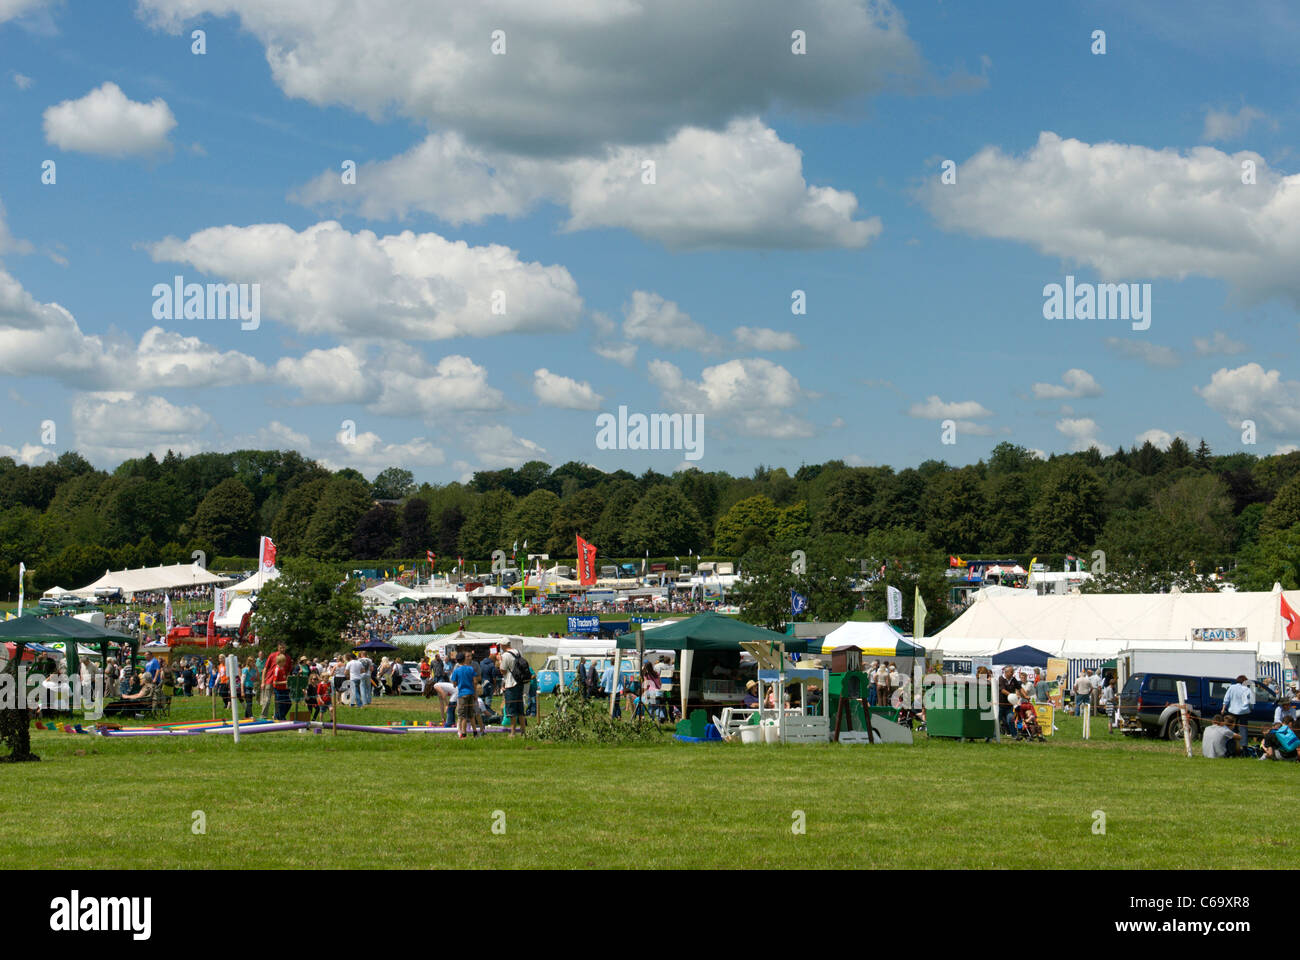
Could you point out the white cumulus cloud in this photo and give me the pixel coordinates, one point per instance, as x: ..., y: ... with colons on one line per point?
x: 106, y: 122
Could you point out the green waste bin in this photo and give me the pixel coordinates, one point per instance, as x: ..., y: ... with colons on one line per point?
x: 952, y: 710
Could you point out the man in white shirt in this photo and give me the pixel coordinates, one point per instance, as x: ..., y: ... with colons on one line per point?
x: 1238, y: 702
x: 1082, y: 690
x: 357, y: 676
x: 1095, y: 694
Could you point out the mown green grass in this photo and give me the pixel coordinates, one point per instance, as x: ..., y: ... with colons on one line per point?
x: 290, y: 801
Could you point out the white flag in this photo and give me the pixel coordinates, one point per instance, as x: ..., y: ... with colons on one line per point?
x: 167, y: 611
x: 22, y: 575
x: 895, y: 597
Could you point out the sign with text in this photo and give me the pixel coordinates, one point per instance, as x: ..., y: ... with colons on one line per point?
x: 1219, y: 633
x: 584, y: 624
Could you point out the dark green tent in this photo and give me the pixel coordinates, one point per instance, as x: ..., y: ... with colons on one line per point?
x: 707, y: 632
x: 710, y: 631
x: 70, y: 630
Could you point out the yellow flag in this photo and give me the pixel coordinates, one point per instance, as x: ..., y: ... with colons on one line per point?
x: 918, y: 617
x: 1031, y: 569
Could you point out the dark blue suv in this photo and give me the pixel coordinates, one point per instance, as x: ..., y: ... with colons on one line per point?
x: 1149, y: 704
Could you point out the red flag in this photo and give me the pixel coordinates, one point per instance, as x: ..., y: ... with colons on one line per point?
x: 586, y: 563
x: 212, y: 624
x: 430, y: 554
x: 267, y: 552
x: 1292, y: 620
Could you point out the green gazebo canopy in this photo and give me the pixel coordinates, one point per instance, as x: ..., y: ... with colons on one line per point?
x: 709, y: 631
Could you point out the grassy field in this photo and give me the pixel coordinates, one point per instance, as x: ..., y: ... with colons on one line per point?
x: 422, y: 800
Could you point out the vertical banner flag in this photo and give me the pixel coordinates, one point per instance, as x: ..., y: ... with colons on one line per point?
x: 1292, y: 620
x: 22, y: 575
x: 798, y: 603
x: 895, y: 603
x: 267, y: 553
x: 918, y: 617
x: 586, y: 563
x: 430, y: 554
x: 167, y: 611
x: 220, y: 601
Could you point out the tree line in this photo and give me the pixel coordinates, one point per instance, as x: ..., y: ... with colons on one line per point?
x: 1157, y: 515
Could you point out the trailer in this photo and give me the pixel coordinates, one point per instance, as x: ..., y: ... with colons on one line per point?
x: 1195, y: 659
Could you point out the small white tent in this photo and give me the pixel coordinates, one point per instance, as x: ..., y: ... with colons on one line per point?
x: 257, y: 581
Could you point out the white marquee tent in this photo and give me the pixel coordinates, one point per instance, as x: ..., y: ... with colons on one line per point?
x: 257, y: 581
x: 1099, y: 626
x: 177, y: 576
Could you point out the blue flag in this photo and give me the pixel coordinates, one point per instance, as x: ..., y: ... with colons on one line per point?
x: 798, y: 603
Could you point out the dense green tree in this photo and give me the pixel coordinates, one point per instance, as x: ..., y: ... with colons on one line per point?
x: 484, y: 529
x: 289, y: 530
x: 447, y: 537
x: 304, y: 608
x: 611, y: 533
x: 1284, y: 512
x: 956, y: 511
x: 1067, y: 516
x: 665, y: 521
x: 751, y: 521
x: 224, y: 520
x: 393, y: 483
x: 416, y: 532
x: 343, y: 503
x: 792, y: 525
x: 377, y: 532
x: 575, y: 516
x: 848, y: 503
x: 1273, y: 558
x: 530, y: 521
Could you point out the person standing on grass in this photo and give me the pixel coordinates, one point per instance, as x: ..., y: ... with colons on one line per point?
x: 356, y: 676
x: 514, y: 692
x: 248, y: 684
x: 1008, y: 685
x: 1238, y: 702
x: 1082, y: 691
x: 276, y: 679
x: 466, y: 695
x: 872, y: 679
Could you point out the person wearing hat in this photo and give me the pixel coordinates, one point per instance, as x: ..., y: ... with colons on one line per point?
x: 751, y: 694
x: 1284, y: 711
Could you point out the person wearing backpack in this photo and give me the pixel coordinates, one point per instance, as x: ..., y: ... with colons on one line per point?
x: 516, y: 675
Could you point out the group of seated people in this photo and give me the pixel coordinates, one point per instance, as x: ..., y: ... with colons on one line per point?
x: 1280, y: 742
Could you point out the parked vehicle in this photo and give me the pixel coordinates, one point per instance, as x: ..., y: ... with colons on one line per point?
x: 411, y: 680
x: 1149, y: 704
x: 548, y: 677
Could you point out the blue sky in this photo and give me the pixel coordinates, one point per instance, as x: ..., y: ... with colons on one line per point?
x: 522, y: 172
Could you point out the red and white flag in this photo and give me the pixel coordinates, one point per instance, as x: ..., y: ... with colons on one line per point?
x: 1292, y: 620
x: 460, y: 561
x: 266, y: 554
x: 586, y: 563
x: 430, y: 554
